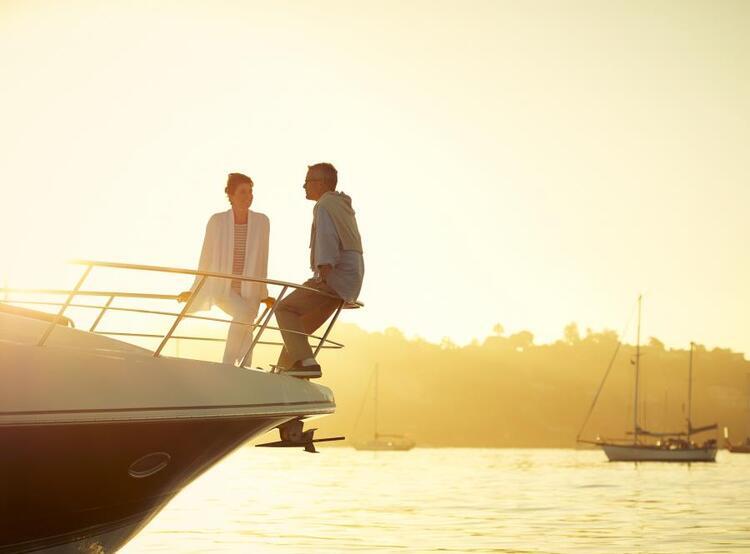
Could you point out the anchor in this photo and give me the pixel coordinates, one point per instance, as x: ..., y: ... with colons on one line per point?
x: 293, y: 436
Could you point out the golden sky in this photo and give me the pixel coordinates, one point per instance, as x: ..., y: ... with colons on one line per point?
x: 529, y: 163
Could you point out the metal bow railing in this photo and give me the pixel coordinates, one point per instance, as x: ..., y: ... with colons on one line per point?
x: 262, y: 323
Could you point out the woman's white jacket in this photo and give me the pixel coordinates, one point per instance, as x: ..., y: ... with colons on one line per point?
x: 217, y: 256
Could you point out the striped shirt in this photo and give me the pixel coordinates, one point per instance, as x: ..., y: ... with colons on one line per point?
x: 238, y: 263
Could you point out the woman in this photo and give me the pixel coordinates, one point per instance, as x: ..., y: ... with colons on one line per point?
x: 236, y: 242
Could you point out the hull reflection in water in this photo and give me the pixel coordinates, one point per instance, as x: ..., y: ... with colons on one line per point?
x: 386, y: 443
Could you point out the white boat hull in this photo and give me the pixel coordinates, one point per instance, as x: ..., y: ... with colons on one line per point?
x: 97, y: 436
x: 645, y: 453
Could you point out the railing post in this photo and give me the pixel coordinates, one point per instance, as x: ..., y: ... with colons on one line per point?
x: 59, y: 315
x: 330, y: 326
x: 180, y: 316
x: 101, y: 314
x: 263, y: 327
x: 252, y: 326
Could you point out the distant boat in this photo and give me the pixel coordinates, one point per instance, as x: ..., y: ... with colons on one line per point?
x: 666, y: 447
x: 382, y: 441
x: 743, y: 448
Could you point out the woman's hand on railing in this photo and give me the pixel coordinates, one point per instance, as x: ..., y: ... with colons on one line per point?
x: 269, y: 301
x: 184, y: 296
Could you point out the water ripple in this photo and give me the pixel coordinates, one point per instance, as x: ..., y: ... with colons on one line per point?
x: 455, y: 500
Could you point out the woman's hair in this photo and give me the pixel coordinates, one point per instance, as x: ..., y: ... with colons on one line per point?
x: 234, y: 180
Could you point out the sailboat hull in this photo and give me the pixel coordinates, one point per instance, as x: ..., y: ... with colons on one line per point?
x: 645, y: 453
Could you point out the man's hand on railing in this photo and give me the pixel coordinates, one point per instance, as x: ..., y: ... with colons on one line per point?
x: 324, y: 270
x: 269, y: 301
x: 184, y: 296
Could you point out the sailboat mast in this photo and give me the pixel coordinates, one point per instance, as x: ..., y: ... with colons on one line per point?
x: 376, y: 400
x: 690, y: 394
x: 637, y: 372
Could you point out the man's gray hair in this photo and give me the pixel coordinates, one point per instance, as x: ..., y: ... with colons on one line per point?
x: 326, y: 172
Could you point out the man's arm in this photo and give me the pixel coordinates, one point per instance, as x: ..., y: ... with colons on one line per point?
x: 327, y: 244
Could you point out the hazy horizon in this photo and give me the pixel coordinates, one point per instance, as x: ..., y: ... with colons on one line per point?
x: 510, y: 390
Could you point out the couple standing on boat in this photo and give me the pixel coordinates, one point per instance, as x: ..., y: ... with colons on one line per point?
x: 236, y: 242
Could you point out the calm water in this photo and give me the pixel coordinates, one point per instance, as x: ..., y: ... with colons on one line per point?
x: 455, y: 500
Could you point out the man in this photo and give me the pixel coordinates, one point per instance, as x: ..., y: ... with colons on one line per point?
x: 338, y: 269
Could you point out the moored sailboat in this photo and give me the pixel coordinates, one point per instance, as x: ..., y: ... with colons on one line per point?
x: 677, y: 446
x: 383, y: 441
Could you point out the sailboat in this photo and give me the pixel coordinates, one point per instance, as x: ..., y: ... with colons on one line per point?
x: 666, y: 447
x: 382, y: 441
